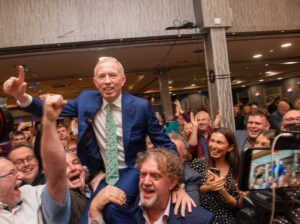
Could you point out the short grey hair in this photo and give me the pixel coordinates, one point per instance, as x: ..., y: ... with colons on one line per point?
x: 111, y: 59
x: 202, y: 112
x: 177, y: 136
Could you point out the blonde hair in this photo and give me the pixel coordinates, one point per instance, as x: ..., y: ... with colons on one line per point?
x: 168, y: 162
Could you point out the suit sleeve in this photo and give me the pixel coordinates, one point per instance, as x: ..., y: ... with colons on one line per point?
x: 36, y: 108
x: 156, y: 132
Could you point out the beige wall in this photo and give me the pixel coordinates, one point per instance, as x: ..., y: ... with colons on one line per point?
x: 265, y: 15
x: 35, y: 22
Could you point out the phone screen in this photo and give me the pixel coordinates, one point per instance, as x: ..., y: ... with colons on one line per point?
x: 285, y: 169
x: 172, y: 126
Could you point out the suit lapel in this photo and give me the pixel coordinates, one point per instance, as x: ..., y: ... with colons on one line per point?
x: 128, y: 113
x: 92, y: 107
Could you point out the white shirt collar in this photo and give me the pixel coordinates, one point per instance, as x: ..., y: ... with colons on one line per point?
x: 117, y: 102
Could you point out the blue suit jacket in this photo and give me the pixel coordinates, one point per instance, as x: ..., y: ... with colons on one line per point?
x: 241, y: 137
x: 199, y: 215
x: 192, y: 181
x: 138, y: 119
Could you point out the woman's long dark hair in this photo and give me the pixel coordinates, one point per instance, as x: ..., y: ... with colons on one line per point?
x: 232, y: 157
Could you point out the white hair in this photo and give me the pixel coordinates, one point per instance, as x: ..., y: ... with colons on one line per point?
x: 111, y: 59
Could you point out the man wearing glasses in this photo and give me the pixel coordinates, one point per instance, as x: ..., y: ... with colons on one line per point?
x: 25, y: 161
x: 17, y: 203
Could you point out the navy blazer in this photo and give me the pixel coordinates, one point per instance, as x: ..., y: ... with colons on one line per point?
x: 199, y: 215
x: 138, y: 119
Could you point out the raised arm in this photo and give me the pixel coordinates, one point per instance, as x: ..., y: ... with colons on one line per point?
x: 194, y: 136
x: 16, y: 86
x: 52, y: 151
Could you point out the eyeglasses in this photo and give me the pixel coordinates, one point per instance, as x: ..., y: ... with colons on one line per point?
x: 28, y: 159
x: 11, y: 173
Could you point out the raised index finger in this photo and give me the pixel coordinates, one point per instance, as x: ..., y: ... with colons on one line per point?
x: 21, y: 74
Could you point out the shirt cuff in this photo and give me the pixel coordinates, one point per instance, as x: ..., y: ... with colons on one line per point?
x: 26, y: 103
x: 97, y: 220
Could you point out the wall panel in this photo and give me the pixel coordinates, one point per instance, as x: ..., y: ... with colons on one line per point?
x: 34, y: 22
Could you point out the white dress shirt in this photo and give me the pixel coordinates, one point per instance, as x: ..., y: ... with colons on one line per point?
x: 99, y: 130
x: 99, y: 127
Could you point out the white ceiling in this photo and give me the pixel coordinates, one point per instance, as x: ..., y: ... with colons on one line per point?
x: 58, y: 71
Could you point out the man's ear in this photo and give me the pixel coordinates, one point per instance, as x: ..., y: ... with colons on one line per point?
x: 95, y: 83
x: 123, y: 80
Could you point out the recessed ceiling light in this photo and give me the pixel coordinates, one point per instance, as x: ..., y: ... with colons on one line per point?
x: 266, y: 65
x: 279, y: 78
x: 286, y: 45
x: 243, y: 86
x: 271, y: 50
x: 193, y: 85
x: 290, y: 62
x: 257, y: 56
x: 261, y: 80
x: 173, y: 94
x: 80, y: 79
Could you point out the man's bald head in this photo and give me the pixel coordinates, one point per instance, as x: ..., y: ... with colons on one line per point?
x: 290, y: 117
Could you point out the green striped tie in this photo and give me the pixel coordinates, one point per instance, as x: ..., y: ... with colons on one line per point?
x: 112, y: 170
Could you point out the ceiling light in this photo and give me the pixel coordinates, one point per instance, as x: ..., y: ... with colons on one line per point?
x: 173, y: 94
x: 80, y: 79
x: 290, y: 62
x: 286, y: 45
x: 193, y: 85
x: 261, y: 80
x: 271, y: 73
x: 257, y: 56
x: 279, y: 78
x: 243, y: 86
x: 271, y: 50
x: 266, y: 65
